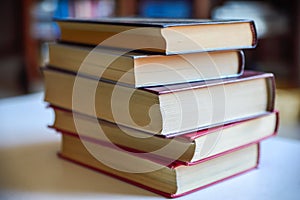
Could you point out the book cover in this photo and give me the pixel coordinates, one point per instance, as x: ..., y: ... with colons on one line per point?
x: 152, y: 22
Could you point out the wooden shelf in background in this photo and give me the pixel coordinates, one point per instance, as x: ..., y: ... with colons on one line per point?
x: 30, y: 45
x: 126, y: 8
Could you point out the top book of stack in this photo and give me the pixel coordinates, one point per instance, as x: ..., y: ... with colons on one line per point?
x: 171, y: 36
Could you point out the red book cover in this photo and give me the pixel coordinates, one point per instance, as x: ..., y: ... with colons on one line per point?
x: 170, y: 166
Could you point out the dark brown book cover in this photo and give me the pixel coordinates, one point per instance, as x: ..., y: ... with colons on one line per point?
x: 152, y: 22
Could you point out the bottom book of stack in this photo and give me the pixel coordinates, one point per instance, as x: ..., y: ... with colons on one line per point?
x: 173, y: 179
x: 168, y: 166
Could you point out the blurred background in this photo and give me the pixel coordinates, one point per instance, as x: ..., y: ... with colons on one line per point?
x: 27, y: 26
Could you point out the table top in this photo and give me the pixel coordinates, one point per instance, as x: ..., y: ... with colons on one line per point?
x: 30, y: 168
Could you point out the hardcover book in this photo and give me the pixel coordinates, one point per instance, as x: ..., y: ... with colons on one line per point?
x: 186, y: 148
x: 169, y: 36
x: 171, y: 180
x: 163, y: 110
x: 142, y: 69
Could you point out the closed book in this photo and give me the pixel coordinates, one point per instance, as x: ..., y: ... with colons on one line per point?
x: 187, y: 148
x: 168, y: 36
x: 165, y: 110
x: 171, y: 180
x: 142, y: 69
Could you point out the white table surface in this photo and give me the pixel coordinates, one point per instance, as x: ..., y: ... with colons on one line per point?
x: 30, y: 169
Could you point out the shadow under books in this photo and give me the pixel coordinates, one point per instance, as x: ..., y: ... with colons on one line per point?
x: 36, y: 168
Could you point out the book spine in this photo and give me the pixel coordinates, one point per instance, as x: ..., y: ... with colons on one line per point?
x: 258, y: 155
x: 166, y: 8
x: 63, y: 9
x: 271, y: 93
x: 254, y: 34
x: 83, y: 8
x: 105, y: 8
x: 277, y: 122
x: 241, y: 58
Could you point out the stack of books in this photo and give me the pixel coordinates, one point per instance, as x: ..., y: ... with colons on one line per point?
x: 162, y: 104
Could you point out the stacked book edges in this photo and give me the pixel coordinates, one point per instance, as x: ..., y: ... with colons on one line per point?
x: 162, y: 104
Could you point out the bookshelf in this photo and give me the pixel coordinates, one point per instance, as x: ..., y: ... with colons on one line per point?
x: 279, y: 51
x: 11, y: 49
x: 32, y: 45
x: 200, y: 8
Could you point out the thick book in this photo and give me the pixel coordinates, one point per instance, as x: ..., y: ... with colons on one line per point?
x: 142, y: 69
x: 187, y: 148
x: 169, y: 36
x: 171, y: 180
x: 165, y: 110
